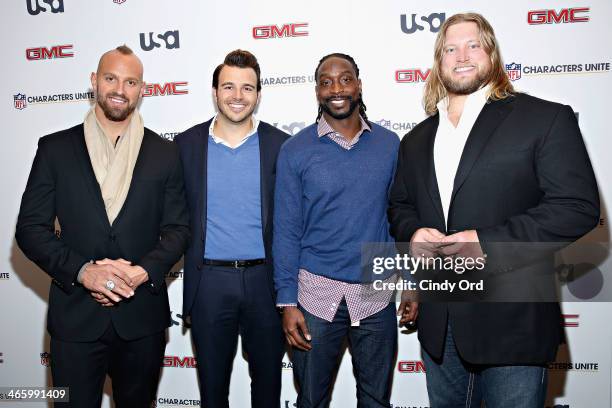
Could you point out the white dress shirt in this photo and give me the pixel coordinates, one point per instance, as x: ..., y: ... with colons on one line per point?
x: 217, y: 139
x: 450, y: 141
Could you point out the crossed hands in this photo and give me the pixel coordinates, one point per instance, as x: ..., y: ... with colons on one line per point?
x: 125, y: 277
x: 431, y: 243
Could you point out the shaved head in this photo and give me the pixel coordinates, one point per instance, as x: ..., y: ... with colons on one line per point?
x: 118, y: 83
x: 119, y: 52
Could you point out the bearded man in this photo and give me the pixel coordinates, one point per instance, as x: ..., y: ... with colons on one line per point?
x: 488, y: 169
x: 116, y: 191
x: 332, y: 187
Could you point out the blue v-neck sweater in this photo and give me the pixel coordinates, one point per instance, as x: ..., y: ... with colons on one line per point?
x: 233, y: 204
x: 328, y: 201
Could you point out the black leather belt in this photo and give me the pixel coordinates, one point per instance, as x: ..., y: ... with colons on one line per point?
x: 244, y: 263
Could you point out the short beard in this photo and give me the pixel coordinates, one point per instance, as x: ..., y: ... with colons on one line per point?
x: 354, y: 104
x: 465, y: 88
x: 113, y: 114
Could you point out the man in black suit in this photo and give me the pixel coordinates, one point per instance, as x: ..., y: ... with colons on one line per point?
x: 116, y: 189
x: 489, y: 166
x: 229, y: 165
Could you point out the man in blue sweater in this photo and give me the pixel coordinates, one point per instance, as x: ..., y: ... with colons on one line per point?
x: 332, y: 186
x: 229, y: 164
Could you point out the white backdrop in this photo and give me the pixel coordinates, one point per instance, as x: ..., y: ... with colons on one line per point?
x: 53, y: 45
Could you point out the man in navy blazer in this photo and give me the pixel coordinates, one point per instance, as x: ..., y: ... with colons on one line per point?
x: 229, y: 165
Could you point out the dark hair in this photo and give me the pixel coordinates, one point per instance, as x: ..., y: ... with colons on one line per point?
x: 362, y: 107
x: 124, y: 49
x: 240, y: 59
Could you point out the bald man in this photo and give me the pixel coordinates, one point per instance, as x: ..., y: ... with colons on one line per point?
x: 116, y: 190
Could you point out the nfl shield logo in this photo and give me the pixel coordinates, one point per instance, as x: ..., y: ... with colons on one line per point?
x: 118, y: 1
x: 20, y: 101
x: 45, y: 358
x: 514, y: 71
x: 384, y: 123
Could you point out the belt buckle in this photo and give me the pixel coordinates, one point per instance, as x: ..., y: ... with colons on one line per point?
x: 236, y: 264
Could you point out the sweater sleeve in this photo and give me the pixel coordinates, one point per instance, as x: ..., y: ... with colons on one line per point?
x: 288, y: 229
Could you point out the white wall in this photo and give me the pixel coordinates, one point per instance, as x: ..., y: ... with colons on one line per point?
x: 369, y: 31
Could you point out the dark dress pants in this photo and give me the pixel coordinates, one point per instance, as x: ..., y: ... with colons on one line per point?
x: 231, y: 302
x: 134, y: 367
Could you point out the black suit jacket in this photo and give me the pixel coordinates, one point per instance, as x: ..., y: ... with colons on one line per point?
x: 524, y: 176
x: 193, y: 145
x: 151, y: 230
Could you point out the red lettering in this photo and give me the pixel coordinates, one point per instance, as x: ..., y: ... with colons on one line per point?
x: 261, y: 32
x: 57, y: 51
x: 169, y: 88
x: 568, y: 15
x: 562, y: 17
x: 176, y: 361
x: 411, y: 75
x: 296, y: 33
x: 33, y: 54
x: 411, y: 367
x: 284, y: 31
x: 274, y: 31
x: 575, y: 19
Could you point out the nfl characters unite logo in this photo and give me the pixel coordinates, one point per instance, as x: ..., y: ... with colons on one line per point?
x: 514, y: 71
x: 20, y: 101
x: 45, y: 359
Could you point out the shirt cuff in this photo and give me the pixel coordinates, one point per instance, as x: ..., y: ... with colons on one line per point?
x: 79, y: 277
x: 287, y: 296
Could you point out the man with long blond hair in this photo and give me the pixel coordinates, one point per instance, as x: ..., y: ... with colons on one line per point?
x: 489, y: 165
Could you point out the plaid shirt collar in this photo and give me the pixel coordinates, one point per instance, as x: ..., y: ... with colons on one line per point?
x: 324, y: 128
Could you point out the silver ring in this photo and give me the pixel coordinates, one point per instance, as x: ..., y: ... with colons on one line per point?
x: 110, y: 285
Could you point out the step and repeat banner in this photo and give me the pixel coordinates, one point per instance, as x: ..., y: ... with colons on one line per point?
x: 554, y: 50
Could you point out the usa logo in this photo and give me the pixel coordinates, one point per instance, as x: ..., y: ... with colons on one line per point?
x: 20, y: 101
x: 514, y: 71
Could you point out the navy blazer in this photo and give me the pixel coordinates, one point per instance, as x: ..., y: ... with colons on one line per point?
x: 193, y: 147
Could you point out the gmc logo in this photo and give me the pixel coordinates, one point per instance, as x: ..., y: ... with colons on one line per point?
x: 56, y: 51
x: 169, y: 88
x: 568, y: 15
x: 176, y: 361
x: 571, y: 320
x: 411, y: 367
x: 274, y: 31
x: 411, y: 75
